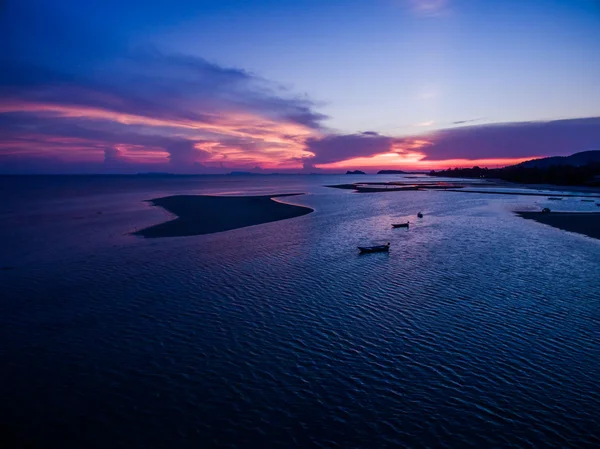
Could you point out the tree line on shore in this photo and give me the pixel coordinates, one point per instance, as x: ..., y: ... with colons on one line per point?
x: 558, y: 174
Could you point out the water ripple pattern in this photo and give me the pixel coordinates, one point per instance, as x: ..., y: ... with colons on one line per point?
x: 478, y: 329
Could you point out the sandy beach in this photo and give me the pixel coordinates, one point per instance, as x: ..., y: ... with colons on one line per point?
x: 199, y: 214
x: 587, y: 223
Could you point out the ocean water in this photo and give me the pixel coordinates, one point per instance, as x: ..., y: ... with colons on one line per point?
x: 478, y: 329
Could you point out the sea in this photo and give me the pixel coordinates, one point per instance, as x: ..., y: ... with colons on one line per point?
x: 478, y: 329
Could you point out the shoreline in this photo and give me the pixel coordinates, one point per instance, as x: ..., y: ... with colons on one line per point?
x: 586, y: 223
x: 375, y: 187
x: 205, y: 214
x: 491, y: 192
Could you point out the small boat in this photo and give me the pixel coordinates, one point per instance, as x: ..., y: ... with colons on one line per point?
x: 375, y: 249
x: 588, y: 201
x: 420, y: 215
x: 401, y: 225
x: 546, y: 210
x: 554, y: 198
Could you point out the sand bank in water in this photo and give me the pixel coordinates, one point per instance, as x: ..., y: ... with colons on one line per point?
x: 587, y: 223
x: 199, y: 214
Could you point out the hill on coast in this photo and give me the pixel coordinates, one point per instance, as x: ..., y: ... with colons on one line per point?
x: 578, y: 169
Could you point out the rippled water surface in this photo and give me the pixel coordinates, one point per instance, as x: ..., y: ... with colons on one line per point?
x: 478, y: 329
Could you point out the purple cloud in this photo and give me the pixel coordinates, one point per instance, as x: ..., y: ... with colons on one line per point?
x: 168, y: 103
x: 515, y: 140
x: 337, y: 148
x: 152, y: 84
x: 112, y: 155
x: 184, y: 153
x: 496, y: 141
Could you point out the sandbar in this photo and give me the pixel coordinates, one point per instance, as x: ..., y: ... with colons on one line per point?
x: 587, y: 223
x: 521, y: 193
x: 203, y: 214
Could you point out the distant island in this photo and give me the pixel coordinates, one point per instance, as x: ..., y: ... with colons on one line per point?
x: 578, y: 169
x: 355, y: 172
x: 391, y: 172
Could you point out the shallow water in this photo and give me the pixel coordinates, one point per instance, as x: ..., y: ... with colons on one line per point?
x: 478, y: 329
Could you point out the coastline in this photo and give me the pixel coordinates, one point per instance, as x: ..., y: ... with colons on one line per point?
x: 586, y: 223
x: 584, y: 193
x: 203, y: 214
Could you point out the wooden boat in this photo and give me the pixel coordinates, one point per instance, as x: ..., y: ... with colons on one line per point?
x: 375, y: 249
x: 401, y: 225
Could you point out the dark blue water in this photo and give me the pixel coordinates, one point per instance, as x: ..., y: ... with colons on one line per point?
x: 478, y: 329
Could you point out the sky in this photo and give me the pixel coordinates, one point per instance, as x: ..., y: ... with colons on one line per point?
x: 199, y: 86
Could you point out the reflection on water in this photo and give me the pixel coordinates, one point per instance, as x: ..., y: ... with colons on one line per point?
x: 478, y: 328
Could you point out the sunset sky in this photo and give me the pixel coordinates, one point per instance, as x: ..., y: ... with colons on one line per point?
x: 196, y: 86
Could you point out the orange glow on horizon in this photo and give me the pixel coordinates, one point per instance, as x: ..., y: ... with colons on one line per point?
x: 415, y: 161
